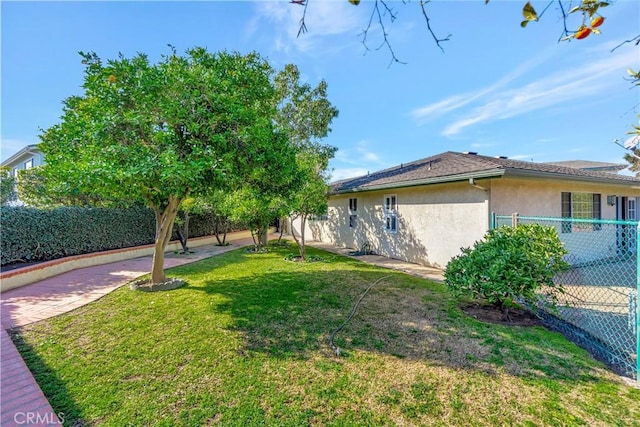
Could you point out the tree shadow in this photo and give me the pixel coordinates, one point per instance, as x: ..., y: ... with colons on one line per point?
x: 50, y: 383
x: 292, y: 311
x: 402, y: 245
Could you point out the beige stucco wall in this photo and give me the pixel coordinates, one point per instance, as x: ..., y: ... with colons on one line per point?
x: 541, y: 197
x: 434, y: 222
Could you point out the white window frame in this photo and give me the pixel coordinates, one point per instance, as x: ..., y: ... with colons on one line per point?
x: 353, y: 212
x: 353, y: 205
x: 581, y: 206
x: 632, y: 206
x: 390, y: 213
x: 28, y: 164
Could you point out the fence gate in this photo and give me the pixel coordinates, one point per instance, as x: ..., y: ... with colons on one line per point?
x: 599, y: 309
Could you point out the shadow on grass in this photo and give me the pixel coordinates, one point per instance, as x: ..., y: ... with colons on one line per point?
x: 290, y: 311
x: 50, y: 383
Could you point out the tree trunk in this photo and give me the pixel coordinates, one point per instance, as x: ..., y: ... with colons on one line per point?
x: 265, y: 236
x: 280, y: 228
x: 185, y: 248
x: 298, y: 242
x: 216, y: 230
x: 303, y: 249
x: 164, y: 227
x: 183, y: 234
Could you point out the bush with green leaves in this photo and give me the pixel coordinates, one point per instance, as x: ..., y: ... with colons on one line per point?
x: 509, y: 264
x: 33, y: 235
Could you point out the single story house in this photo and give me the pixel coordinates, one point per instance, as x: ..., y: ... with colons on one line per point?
x: 427, y: 210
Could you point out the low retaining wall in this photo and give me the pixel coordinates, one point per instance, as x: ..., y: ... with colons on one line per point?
x: 24, y: 276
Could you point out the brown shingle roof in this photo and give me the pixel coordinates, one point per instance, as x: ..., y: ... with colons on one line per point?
x: 591, y: 165
x: 451, y: 166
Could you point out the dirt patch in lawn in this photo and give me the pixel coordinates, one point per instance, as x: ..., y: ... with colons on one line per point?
x: 491, y: 314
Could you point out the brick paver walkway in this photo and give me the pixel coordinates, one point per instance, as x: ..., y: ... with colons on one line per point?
x: 21, y: 400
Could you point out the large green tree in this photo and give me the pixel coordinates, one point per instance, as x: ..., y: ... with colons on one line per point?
x: 306, y: 113
x: 160, y: 132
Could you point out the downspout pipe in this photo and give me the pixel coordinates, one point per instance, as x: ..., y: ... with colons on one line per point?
x: 472, y: 182
x: 491, y: 219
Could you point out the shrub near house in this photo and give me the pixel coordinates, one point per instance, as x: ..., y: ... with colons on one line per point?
x: 510, y: 263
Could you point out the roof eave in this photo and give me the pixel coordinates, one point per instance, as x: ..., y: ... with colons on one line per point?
x: 553, y: 175
x: 492, y: 173
x: 26, y: 150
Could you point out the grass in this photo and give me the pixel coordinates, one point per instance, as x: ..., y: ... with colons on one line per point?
x: 246, y: 343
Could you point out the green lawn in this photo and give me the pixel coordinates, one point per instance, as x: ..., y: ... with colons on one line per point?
x: 246, y: 343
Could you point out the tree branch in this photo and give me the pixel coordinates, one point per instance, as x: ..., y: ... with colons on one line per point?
x: 423, y: 4
x: 565, y: 33
x: 636, y: 39
x: 365, y: 32
x: 303, y: 25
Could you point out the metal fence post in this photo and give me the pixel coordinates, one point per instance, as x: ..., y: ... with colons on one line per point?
x: 638, y: 303
x: 492, y: 224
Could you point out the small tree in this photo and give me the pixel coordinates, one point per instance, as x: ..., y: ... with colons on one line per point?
x: 306, y: 114
x: 311, y: 195
x: 510, y: 263
x: 257, y: 209
x: 221, y: 205
x: 189, y: 206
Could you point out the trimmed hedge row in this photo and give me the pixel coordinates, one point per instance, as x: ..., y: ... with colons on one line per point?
x: 30, y: 234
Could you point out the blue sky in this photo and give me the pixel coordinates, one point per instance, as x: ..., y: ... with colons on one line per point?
x: 497, y: 89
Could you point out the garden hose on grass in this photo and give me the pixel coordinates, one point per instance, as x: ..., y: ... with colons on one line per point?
x: 353, y: 311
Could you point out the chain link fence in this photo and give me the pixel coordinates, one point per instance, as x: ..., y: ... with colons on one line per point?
x: 599, y: 309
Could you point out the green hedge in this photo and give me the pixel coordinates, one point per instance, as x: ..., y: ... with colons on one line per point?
x: 30, y: 235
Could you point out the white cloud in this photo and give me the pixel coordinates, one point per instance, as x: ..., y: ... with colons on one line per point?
x: 344, y: 173
x: 365, y: 153
x: 361, y: 155
x: 483, y: 145
x: 498, y: 101
x: 440, y: 108
x: 323, y: 19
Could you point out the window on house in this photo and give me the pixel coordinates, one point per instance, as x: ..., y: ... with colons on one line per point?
x: 581, y: 206
x: 28, y: 164
x: 631, y: 209
x: 390, y: 208
x: 353, y: 212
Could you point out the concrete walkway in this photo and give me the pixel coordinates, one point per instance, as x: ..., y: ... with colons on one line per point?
x: 21, y: 400
x: 431, y: 273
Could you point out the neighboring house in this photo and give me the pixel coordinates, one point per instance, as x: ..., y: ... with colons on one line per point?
x: 427, y: 210
x: 589, y: 165
x: 27, y: 158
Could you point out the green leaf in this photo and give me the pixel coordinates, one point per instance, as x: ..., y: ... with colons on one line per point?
x: 529, y: 12
x: 354, y: 2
